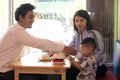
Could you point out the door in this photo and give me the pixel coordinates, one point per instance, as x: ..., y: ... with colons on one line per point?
x: 102, y: 16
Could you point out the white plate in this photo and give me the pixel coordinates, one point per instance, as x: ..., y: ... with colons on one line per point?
x: 58, y: 63
x: 45, y: 59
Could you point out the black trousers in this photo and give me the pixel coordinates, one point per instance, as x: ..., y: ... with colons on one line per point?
x: 7, y: 75
x: 101, y: 71
x: 33, y: 77
x: 10, y: 76
x: 71, y: 73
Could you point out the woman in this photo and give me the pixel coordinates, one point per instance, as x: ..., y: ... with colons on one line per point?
x: 83, y: 28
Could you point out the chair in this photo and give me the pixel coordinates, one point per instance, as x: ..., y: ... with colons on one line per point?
x: 116, y: 59
x: 114, y: 74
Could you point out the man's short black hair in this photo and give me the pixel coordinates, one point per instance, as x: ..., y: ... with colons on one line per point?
x: 89, y: 41
x: 22, y: 10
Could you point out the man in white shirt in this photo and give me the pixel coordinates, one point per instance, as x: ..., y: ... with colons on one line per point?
x: 13, y: 42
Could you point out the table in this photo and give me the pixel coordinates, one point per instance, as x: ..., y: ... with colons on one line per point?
x: 39, y: 67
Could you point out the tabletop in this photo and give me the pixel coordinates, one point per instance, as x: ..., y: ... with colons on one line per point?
x: 33, y: 64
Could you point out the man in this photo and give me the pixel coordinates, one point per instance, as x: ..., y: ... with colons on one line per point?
x: 13, y: 42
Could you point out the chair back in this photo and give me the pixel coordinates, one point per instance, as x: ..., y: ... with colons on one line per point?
x: 116, y: 59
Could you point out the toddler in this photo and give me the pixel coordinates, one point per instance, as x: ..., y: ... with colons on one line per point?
x: 87, y: 64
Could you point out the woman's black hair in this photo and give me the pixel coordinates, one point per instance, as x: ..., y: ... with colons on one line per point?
x: 85, y: 15
x: 22, y: 10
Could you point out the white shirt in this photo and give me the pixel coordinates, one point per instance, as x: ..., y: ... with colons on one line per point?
x: 13, y: 42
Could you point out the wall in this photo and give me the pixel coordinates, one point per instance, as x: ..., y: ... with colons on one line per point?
x: 3, y: 16
x: 118, y: 19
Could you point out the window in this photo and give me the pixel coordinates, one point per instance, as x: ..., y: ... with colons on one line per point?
x: 4, y: 22
x: 53, y: 18
x: 54, y: 0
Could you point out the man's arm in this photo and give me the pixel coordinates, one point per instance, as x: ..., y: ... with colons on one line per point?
x: 22, y: 37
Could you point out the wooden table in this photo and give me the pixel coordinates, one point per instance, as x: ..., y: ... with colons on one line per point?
x: 39, y: 67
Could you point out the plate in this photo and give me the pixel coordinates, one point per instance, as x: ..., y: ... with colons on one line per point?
x: 45, y: 59
x: 58, y: 63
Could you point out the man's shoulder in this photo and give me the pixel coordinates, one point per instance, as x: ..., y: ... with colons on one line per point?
x: 15, y: 27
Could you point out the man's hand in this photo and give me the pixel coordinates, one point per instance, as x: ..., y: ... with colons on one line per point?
x: 50, y: 53
x: 68, y: 50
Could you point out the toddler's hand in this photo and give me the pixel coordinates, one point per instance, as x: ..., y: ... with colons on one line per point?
x: 71, y: 58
